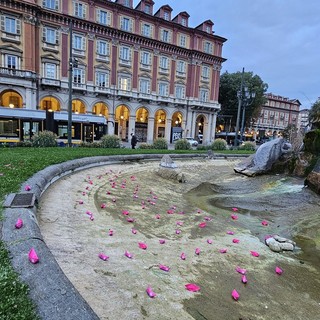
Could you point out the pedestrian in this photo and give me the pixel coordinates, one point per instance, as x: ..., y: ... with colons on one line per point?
x: 133, y: 141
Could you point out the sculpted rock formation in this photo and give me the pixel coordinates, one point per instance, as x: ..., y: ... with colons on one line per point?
x: 264, y: 158
x: 313, y: 178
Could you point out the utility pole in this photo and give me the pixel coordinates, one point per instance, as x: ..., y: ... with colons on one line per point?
x: 239, y: 95
x: 69, y: 130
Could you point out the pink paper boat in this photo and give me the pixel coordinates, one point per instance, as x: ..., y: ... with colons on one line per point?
x: 150, y: 293
x: 142, y: 245
x: 264, y: 223
x: 130, y: 220
x: 19, y: 224
x: 197, y: 251
x: 178, y: 231
x: 183, y: 256
x: 192, y: 287
x: 240, y: 270
x: 244, y: 279
x: 162, y: 241
x: 235, y: 240
x: 164, y: 268
x: 223, y: 250
x: 209, y: 241
x: 125, y: 212
x: 110, y: 232
x: 202, y: 224
x: 234, y: 217
x: 33, y: 257
x: 103, y: 257
x: 134, y: 231
x: 235, y: 295
x: 103, y: 205
x: 254, y: 253
x: 230, y: 232
x: 27, y: 188
x: 279, y: 270
x: 128, y: 254
x: 234, y: 209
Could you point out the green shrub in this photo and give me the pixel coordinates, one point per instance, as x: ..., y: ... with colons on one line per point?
x: 202, y: 147
x: 145, y: 146
x: 219, y: 144
x: 312, y: 142
x: 110, y: 141
x: 90, y: 145
x: 248, y: 145
x: 44, y: 139
x: 160, y: 144
x: 24, y: 144
x: 182, y: 144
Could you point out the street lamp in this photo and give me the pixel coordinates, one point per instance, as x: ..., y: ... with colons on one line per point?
x: 247, y: 100
x: 73, y: 62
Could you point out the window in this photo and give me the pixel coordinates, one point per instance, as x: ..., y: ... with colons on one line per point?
x: 51, y: 4
x: 180, y: 92
x: 166, y: 15
x: 126, y: 24
x: 207, y: 47
x: 145, y: 59
x: 204, y: 95
x: 126, y: 3
x: 10, y: 25
x: 205, y: 73
x: 125, y: 83
x: 78, y: 75
x: 78, y: 42
x: 79, y: 9
x: 103, y: 17
x: 163, y: 89
x: 183, y: 40
x: 103, y: 48
x: 102, y: 79
x: 181, y: 68
x: 208, y: 29
x: 50, y: 71
x: 144, y: 86
x: 146, y: 30
x: 147, y: 9
x: 165, y: 36
x: 164, y: 64
x: 50, y: 35
x: 184, y: 22
x: 125, y: 55
x: 11, y: 61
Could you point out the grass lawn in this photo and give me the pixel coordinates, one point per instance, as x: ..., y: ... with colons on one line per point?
x: 16, y: 166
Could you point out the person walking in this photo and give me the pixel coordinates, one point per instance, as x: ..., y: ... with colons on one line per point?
x: 134, y: 141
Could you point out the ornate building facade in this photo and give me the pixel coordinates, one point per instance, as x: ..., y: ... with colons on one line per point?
x: 276, y: 114
x: 130, y: 70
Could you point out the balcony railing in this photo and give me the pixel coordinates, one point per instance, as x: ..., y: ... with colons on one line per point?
x: 50, y: 82
x: 16, y: 73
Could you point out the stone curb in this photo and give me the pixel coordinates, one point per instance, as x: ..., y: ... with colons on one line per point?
x: 53, y: 294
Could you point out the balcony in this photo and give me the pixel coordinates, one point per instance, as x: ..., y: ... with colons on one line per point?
x: 50, y: 82
x: 16, y: 73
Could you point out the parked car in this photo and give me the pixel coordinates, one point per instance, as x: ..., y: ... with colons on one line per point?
x: 192, y: 141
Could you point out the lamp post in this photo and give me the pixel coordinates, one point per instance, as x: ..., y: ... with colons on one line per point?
x: 73, y: 62
x: 247, y: 100
x: 239, y: 95
x: 69, y: 129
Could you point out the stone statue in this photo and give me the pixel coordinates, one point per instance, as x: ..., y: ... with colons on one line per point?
x: 266, y: 155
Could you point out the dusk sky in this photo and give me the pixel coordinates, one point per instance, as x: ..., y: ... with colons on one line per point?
x: 279, y: 40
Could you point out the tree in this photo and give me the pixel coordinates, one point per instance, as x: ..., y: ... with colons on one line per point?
x: 230, y: 85
x: 314, y: 115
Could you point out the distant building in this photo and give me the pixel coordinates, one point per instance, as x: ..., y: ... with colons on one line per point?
x: 132, y: 70
x: 303, y: 123
x: 276, y: 114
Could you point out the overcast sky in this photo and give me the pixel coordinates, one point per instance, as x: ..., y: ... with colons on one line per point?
x: 279, y: 40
